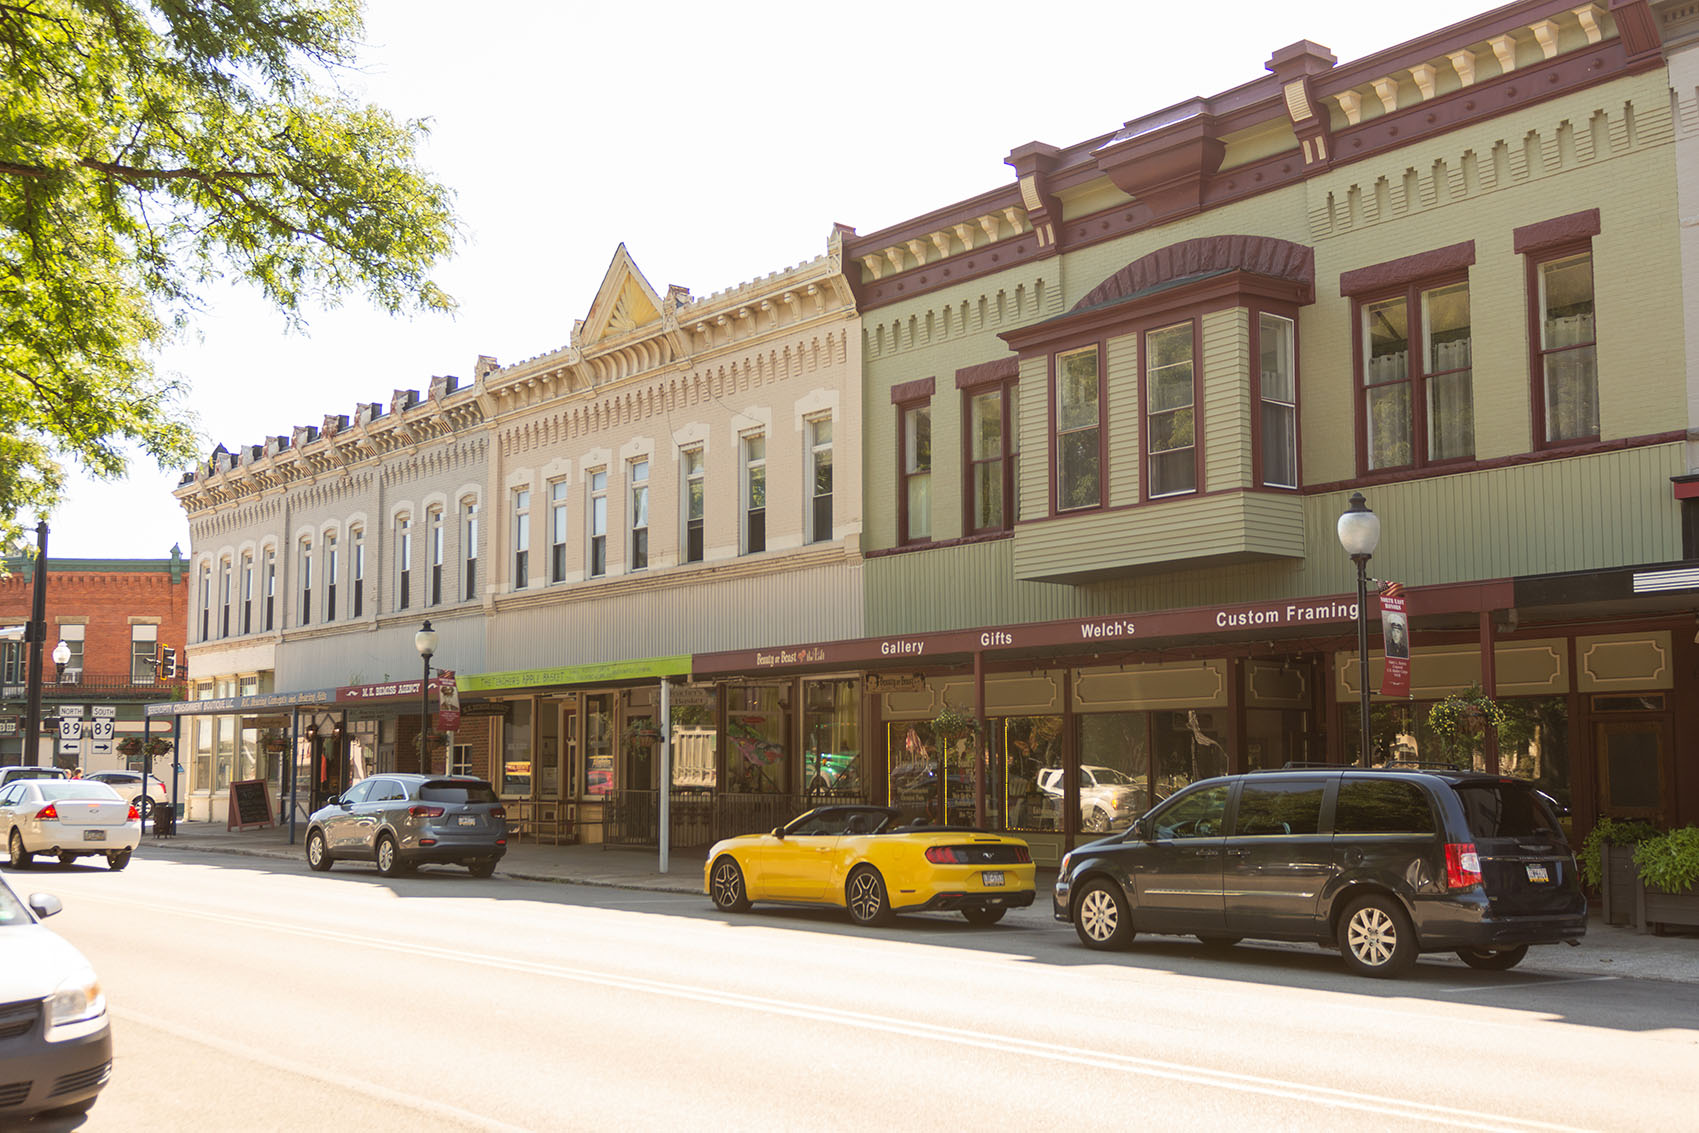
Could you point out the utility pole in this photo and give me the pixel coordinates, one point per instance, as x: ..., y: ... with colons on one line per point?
x: 36, y: 634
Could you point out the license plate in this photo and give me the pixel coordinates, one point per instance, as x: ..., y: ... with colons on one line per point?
x: 1537, y: 872
x: 991, y: 877
x: 467, y: 820
x: 94, y: 835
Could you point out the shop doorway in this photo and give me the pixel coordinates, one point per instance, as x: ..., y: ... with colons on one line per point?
x: 1635, y: 766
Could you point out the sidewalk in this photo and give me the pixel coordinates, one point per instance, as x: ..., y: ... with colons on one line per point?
x: 1608, y: 950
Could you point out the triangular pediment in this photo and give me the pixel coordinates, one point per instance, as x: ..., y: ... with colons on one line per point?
x: 624, y: 303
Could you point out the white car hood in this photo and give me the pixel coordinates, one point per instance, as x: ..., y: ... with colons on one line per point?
x: 33, y: 961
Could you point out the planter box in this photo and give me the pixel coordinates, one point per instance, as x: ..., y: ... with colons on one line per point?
x: 1655, y: 910
x: 1619, y: 884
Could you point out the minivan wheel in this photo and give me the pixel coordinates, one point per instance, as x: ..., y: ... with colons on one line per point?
x: 1376, y: 939
x: 318, y: 855
x: 1493, y: 960
x: 1101, y: 917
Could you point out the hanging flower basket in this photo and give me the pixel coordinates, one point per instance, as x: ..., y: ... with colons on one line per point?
x: 129, y: 745
x: 157, y: 747
x: 1464, y: 714
x: 950, y: 724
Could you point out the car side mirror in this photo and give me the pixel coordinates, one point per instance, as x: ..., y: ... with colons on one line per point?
x: 45, y: 904
x: 1140, y: 830
x: 779, y: 833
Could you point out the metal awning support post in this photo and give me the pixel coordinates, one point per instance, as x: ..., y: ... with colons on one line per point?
x: 294, y: 768
x: 666, y: 730
x: 147, y: 766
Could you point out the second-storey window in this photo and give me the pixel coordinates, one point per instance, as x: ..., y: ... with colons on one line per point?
x: 914, y: 492
x: 819, y: 480
x: 332, y: 567
x: 306, y: 617
x: 224, y: 597
x: 1079, y: 450
x: 1566, y: 373
x: 557, y: 530
x: 357, y: 571
x: 1418, y: 404
x: 1277, y: 392
x: 598, y: 484
x: 247, y: 593
x: 144, y: 654
x: 993, y: 454
x: 72, y: 636
x: 1171, y: 430
x: 469, y: 549
x: 754, y: 493
x: 639, y: 515
x: 206, y: 602
x: 695, y: 502
x: 521, y: 538
x: 433, y: 527
x: 270, y: 588
x: 403, y: 562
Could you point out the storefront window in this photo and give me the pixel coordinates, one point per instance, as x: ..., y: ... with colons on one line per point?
x: 598, y: 745
x: 642, y: 736
x: 918, y: 789
x: 1534, y: 744
x: 757, y: 727
x: 1188, y: 747
x: 203, y: 728
x: 831, y: 740
x: 1114, y: 785
x: 516, y: 749
x: 1025, y: 792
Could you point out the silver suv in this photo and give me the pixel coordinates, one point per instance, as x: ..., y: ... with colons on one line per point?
x: 402, y: 821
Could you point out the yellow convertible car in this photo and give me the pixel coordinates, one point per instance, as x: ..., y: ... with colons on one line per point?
x: 862, y: 858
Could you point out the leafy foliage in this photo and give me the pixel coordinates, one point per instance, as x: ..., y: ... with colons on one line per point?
x: 147, y: 147
x: 1616, y: 832
x: 1460, y: 720
x: 1670, y: 861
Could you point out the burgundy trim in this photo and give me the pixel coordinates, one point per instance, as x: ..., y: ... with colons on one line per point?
x: 911, y: 548
x: 988, y: 373
x: 1405, y: 271
x: 918, y: 390
x: 1260, y: 255
x: 1169, y: 304
x: 1569, y: 229
x: 1685, y: 487
x: 1399, y: 475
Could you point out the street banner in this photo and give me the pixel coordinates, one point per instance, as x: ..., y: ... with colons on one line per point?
x: 1395, y: 636
x: 448, y: 701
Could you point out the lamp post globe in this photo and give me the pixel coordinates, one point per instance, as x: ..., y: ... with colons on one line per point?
x: 425, y: 641
x: 61, y: 658
x: 1359, y: 535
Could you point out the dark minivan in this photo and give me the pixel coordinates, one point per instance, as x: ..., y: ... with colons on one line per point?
x: 1381, y: 863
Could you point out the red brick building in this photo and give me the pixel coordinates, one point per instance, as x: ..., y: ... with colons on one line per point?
x: 115, y: 616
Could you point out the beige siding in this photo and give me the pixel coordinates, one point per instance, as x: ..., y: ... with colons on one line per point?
x: 1226, y: 393
x: 1122, y: 420
x: 1034, y: 428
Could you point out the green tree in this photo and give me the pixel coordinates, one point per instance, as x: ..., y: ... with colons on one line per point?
x: 149, y: 148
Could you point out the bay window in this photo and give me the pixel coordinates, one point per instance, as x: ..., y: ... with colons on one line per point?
x: 1171, y: 426
x: 1277, y: 400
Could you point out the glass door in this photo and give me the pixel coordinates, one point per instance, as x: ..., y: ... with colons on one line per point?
x: 1634, y: 768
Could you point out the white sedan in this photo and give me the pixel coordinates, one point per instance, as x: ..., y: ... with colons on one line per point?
x: 128, y: 784
x: 68, y: 818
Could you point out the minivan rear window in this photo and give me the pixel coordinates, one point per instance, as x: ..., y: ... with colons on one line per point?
x: 1382, y: 806
x: 457, y: 791
x: 1507, y: 810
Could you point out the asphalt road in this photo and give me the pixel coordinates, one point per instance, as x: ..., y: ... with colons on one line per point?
x: 253, y: 994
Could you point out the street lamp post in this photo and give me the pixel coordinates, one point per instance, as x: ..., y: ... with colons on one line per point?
x: 425, y: 641
x: 1359, y: 534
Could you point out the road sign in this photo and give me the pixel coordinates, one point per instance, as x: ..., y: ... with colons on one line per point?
x: 8, y: 725
x: 101, y: 730
x: 70, y: 735
x: 70, y: 710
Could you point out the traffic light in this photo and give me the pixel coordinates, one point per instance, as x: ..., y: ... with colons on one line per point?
x: 168, y: 662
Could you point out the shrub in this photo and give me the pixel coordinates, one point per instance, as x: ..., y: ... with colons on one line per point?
x: 1670, y: 861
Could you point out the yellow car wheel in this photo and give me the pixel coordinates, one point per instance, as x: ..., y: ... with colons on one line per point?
x: 866, y: 897
x: 729, y: 892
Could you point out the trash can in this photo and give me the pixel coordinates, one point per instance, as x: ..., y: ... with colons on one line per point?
x: 165, y: 820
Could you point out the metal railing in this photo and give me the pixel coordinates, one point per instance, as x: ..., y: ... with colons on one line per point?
x: 701, y: 818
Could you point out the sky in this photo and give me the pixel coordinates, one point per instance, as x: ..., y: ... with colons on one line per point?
x: 719, y: 143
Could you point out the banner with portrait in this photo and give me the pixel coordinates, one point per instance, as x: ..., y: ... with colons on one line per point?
x: 1395, y: 638
x: 448, y: 701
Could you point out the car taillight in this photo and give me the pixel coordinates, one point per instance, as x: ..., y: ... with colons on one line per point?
x: 48, y: 811
x: 946, y: 855
x: 1022, y: 855
x: 134, y: 815
x: 498, y: 812
x: 425, y: 811
x: 1462, y: 865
